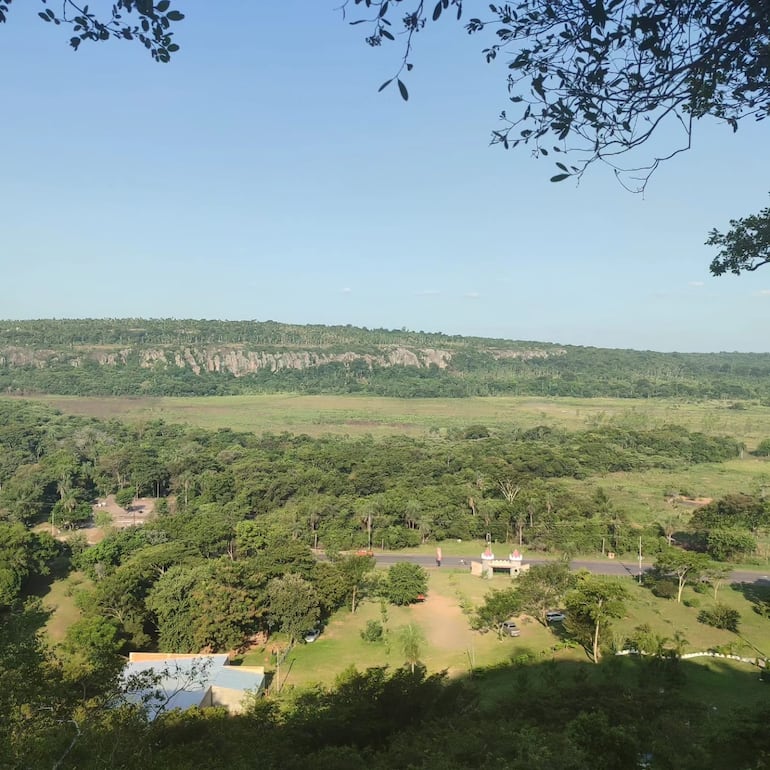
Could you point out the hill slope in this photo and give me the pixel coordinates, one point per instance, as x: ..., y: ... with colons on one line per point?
x: 201, y: 357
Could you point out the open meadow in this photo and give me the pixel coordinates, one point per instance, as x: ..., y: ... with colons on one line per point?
x: 359, y: 415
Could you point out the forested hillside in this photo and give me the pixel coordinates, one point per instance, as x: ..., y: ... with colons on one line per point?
x: 167, y: 357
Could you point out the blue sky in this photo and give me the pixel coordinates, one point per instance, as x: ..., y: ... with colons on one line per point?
x: 261, y: 176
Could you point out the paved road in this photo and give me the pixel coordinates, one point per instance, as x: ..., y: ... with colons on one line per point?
x: 615, y: 567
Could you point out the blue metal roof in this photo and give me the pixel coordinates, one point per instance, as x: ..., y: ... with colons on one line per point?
x: 236, y: 679
x: 184, y: 682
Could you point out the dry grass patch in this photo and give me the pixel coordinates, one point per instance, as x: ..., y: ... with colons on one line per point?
x: 60, y: 602
x: 357, y: 415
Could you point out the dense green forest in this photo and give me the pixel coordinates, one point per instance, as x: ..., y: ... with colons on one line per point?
x: 229, y: 555
x: 195, y: 357
x: 340, y: 492
x: 235, y: 510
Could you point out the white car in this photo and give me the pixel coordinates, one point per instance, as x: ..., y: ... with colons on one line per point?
x: 311, y: 636
x: 554, y: 617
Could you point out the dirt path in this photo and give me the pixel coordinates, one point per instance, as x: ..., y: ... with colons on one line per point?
x: 137, y: 513
x: 445, y: 625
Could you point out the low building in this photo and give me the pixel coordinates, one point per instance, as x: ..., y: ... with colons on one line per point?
x: 164, y: 681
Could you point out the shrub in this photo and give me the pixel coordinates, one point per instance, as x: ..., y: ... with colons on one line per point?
x: 124, y: 497
x: 103, y: 519
x: 404, y: 583
x: 720, y: 616
x: 476, y: 432
x: 665, y: 589
x: 691, y: 602
x: 373, y: 631
x: 725, y: 544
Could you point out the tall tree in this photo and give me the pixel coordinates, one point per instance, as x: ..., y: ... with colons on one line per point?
x: 683, y: 565
x: 294, y: 605
x: 22, y: 554
x: 354, y: 571
x: 215, y: 604
x: 498, y: 607
x: 543, y: 587
x: 716, y: 574
x: 591, y: 607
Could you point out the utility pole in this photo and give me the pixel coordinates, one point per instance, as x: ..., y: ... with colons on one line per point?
x: 640, y: 559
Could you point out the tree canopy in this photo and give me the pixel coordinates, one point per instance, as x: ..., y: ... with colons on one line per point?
x: 144, y: 21
x: 598, y: 79
x: 744, y: 247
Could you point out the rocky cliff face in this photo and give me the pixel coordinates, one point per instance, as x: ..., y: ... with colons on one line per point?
x: 240, y: 361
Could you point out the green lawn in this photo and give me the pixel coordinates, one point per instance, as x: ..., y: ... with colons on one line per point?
x: 666, y: 617
x: 498, y: 662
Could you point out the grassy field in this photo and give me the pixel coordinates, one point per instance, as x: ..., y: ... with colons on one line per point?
x: 59, y: 601
x: 356, y: 415
x: 451, y: 645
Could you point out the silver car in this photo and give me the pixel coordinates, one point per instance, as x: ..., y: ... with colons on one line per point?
x: 511, y: 629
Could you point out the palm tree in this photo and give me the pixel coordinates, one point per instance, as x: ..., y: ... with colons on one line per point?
x: 680, y: 644
x: 68, y: 499
x: 411, y: 639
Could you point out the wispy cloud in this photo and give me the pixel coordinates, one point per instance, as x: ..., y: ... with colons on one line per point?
x: 472, y: 295
x: 346, y: 290
x: 696, y: 284
x: 763, y: 293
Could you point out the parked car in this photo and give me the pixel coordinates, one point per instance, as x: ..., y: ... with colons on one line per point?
x: 554, y: 617
x: 311, y: 636
x: 511, y: 629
